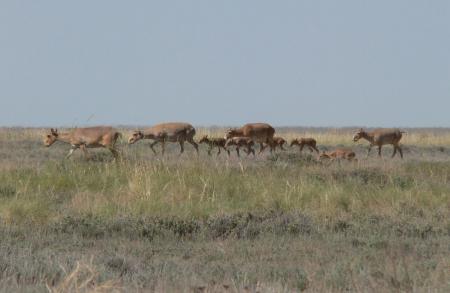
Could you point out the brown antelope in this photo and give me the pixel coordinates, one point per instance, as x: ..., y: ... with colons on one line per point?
x: 277, y: 142
x: 167, y: 132
x: 310, y: 142
x: 218, y: 142
x: 380, y: 137
x: 338, y: 154
x: 258, y: 132
x: 89, y: 137
x: 239, y: 142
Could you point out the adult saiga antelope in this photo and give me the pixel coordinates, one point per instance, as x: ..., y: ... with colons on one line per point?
x: 167, y: 132
x: 88, y: 137
x: 380, y: 137
x: 258, y: 132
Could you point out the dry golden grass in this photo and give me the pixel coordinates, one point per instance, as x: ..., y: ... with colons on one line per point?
x: 271, y: 223
x: 84, y: 279
x: 324, y: 136
x: 344, y: 136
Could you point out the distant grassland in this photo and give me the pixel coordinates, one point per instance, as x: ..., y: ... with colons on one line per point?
x: 281, y: 222
x: 326, y: 136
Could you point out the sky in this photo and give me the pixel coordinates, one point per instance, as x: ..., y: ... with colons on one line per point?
x: 289, y: 63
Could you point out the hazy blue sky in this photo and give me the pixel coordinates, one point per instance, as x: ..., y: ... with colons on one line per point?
x: 314, y: 63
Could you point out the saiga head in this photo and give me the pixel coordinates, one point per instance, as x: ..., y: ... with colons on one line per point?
x: 359, y: 135
x: 51, y: 137
x: 137, y: 135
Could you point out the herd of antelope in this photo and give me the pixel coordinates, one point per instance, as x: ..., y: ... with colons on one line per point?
x: 245, y: 137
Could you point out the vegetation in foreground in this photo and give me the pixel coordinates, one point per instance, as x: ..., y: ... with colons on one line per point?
x: 282, y: 222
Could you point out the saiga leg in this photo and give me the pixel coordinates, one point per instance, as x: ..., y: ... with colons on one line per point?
x: 194, y: 144
x: 152, y: 145
x: 181, y: 146
x: 72, y: 149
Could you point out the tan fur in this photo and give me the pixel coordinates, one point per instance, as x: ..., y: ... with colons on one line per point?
x: 259, y: 132
x: 380, y: 137
x: 338, y: 154
x: 88, y: 137
x: 302, y: 142
x: 239, y: 142
x: 167, y: 132
x: 218, y: 142
x: 276, y: 142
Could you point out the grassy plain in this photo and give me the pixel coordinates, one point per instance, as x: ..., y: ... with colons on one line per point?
x: 273, y: 223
